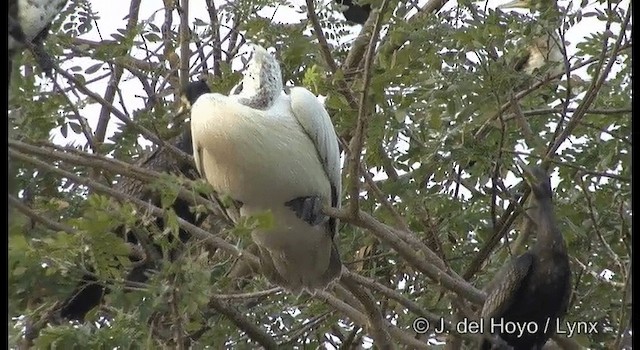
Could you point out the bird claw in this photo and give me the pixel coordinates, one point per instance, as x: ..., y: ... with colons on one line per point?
x: 307, y: 209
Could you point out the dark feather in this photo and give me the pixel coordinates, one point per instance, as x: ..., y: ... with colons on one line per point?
x: 510, y: 280
x: 353, y: 12
x: 89, y: 292
x: 535, y: 287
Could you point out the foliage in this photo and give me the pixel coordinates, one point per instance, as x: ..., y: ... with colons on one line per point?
x: 437, y: 83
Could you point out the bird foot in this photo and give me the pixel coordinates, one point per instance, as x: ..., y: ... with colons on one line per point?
x: 307, y: 209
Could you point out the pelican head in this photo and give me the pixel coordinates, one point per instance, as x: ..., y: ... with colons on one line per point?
x: 528, y: 4
x: 262, y: 81
x: 516, y: 4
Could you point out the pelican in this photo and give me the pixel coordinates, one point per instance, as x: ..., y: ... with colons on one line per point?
x: 546, y: 47
x: 28, y: 25
x: 277, y: 152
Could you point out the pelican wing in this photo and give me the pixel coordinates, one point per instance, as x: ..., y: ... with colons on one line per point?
x: 203, y: 109
x: 316, y: 122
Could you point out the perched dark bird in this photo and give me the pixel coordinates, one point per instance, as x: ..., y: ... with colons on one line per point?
x: 534, y: 287
x: 28, y: 26
x: 276, y: 152
x: 89, y: 292
x: 188, y: 97
x: 353, y: 12
x: 191, y: 93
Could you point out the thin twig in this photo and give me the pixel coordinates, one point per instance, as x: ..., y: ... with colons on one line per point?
x: 596, y: 275
x: 295, y: 334
x: 356, y: 316
x: 596, y: 226
x: 185, y: 53
x: 178, y: 336
x: 324, y: 45
x: 216, y: 42
x: 253, y: 331
x: 377, y: 325
x: 112, y: 86
x: 33, y: 215
x: 250, y: 295
x: 382, y: 198
x: 357, y: 143
x: 124, y: 118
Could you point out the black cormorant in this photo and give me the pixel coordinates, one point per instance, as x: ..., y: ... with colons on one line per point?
x: 353, y: 12
x: 535, y: 287
x: 89, y: 293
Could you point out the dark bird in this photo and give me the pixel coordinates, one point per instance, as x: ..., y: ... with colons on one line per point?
x: 28, y: 26
x: 277, y: 152
x: 353, y: 12
x: 534, y: 287
x: 89, y: 293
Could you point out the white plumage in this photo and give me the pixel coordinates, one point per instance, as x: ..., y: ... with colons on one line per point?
x: 33, y: 16
x: 264, y: 148
x: 545, y: 48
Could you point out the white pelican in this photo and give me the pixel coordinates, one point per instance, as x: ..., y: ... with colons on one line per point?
x: 272, y: 151
x: 30, y: 18
x: 28, y: 25
x: 546, y: 47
